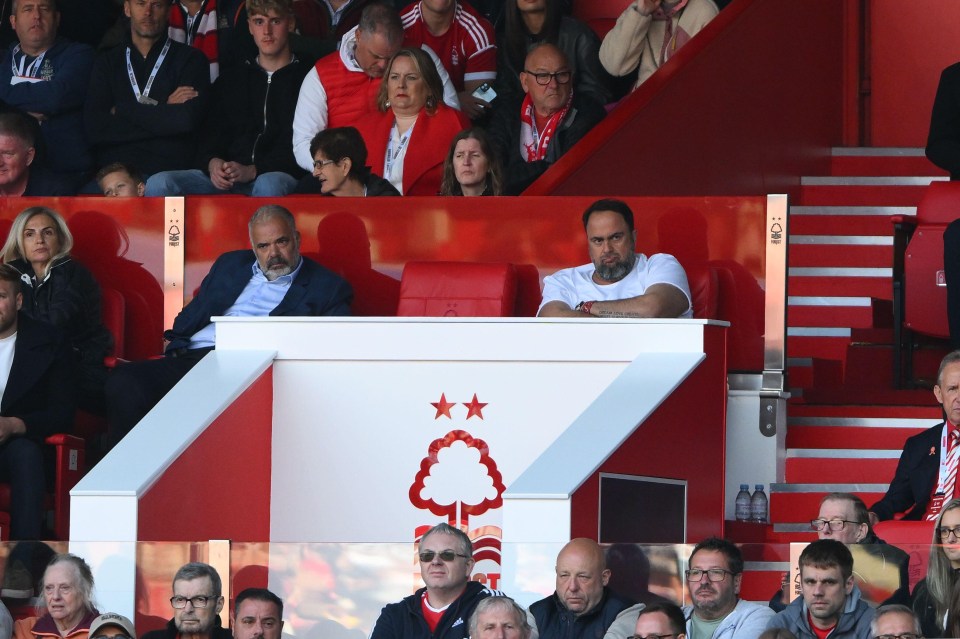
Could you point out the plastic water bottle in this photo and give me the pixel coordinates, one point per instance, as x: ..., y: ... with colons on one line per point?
x: 758, y: 505
x: 743, y: 503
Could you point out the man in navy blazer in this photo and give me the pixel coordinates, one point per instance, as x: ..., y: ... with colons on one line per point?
x: 917, y: 478
x: 37, y: 384
x: 274, y: 280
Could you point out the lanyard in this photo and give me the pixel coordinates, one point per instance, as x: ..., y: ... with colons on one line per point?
x: 393, y: 154
x: 144, y: 98
x: 31, y: 70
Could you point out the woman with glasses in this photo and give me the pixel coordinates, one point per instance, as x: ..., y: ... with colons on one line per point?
x: 340, y: 167
x: 409, y: 141
x: 66, y: 602
x: 933, y: 595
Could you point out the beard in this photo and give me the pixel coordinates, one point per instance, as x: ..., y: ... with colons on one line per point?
x: 277, y: 267
x: 616, y: 271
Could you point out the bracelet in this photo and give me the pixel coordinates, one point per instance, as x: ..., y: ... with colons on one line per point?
x: 585, y: 307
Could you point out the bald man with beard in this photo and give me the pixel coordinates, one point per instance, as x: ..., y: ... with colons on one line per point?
x: 583, y: 607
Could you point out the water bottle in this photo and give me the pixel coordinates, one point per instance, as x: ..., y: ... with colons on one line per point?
x: 758, y: 505
x: 743, y: 503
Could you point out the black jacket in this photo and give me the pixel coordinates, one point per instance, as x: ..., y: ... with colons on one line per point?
x: 915, y: 477
x: 404, y: 620
x: 250, y: 119
x: 153, y: 138
x: 943, y: 141
x: 170, y: 632
x: 69, y: 298
x: 504, y: 132
x: 376, y: 186
x: 554, y: 621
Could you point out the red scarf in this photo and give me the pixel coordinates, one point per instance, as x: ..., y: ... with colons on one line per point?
x: 202, y: 35
x: 533, y: 143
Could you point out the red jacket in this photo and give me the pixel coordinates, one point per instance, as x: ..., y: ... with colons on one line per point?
x: 351, y: 95
x: 426, y: 150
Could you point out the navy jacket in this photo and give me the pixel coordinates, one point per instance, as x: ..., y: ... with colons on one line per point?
x: 316, y: 291
x: 915, y: 478
x: 404, y: 620
x: 554, y: 621
x: 66, y: 71
x: 40, y: 387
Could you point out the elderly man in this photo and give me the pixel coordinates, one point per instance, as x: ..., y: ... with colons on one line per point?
x: 533, y: 134
x: 895, y: 621
x: 342, y: 87
x: 714, y: 579
x: 617, y: 282
x: 274, y: 280
x: 36, y: 386
x: 499, y: 618
x: 196, y: 601
x: 257, y: 614
x: 110, y: 625
x: 146, y: 97
x: 442, y: 609
x: 462, y: 38
x: 831, y: 603
x: 582, y: 605
x: 47, y: 78
x: 926, y: 474
x: 17, y: 152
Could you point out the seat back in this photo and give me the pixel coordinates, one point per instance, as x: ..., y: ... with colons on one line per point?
x: 457, y: 289
x: 113, y: 315
x: 913, y: 537
x: 529, y: 293
x: 940, y: 203
x: 704, y: 292
x: 925, y: 299
x: 600, y: 15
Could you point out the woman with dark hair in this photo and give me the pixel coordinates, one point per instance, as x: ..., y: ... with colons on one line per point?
x: 529, y: 22
x: 409, y: 140
x: 472, y: 167
x: 59, y: 290
x: 340, y: 167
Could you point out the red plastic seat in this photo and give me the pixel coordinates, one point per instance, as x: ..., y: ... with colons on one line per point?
x: 704, y: 291
x: 600, y: 15
x: 919, y: 286
x: 468, y: 289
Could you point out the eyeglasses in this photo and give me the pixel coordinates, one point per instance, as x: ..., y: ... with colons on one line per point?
x: 319, y: 164
x: 543, y: 79
x: 907, y: 635
x: 714, y: 574
x: 835, y: 524
x: 445, y: 555
x: 944, y: 533
x: 652, y: 636
x: 199, y: 601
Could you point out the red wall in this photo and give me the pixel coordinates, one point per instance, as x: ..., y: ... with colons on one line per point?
x: 910, y: 44
x: 204, y: 479
x: 675, y: 442
x: 747, y: 106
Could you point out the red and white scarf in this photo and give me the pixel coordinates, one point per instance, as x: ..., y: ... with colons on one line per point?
x: 671, y: 41
x: 202, y: 34
x: 534, y: 143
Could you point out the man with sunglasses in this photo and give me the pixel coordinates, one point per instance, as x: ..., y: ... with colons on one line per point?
x: 196, y: 602
x: 442, y: 609
x: 714, y: 578
x: 831, y: 604
x: 532, y: 134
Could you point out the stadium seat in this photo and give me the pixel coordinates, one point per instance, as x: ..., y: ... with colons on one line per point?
x: 600, y: 15
x: 919, y: 287
x: 466, y: 289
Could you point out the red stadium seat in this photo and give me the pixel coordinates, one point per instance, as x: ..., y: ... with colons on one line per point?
x: 600, y: 15
x: 919, y: 287
x: 467, y: 289
x: 704, y: 291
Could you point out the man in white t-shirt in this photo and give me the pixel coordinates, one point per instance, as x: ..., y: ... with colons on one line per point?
x: 617, y: 282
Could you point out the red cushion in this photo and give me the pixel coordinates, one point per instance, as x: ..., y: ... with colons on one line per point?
x: 457, y: 289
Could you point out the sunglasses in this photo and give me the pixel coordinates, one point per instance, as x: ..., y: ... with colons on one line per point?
x: 445, y: 555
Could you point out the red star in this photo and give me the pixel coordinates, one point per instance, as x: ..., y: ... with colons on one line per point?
x: 443, y: 406
x: 475, y: 407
